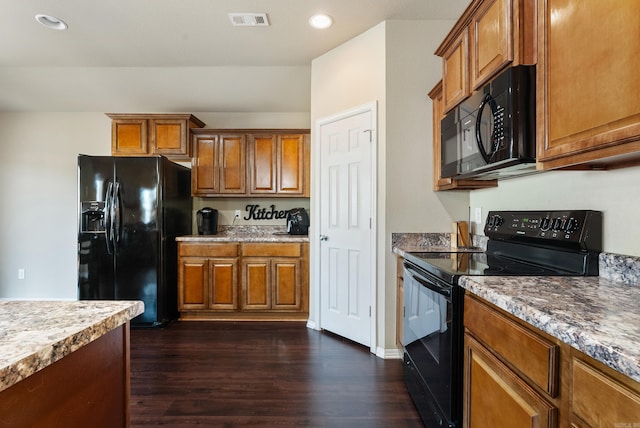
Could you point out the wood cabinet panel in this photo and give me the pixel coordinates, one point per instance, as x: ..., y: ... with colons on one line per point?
x: 193, y: 277
x: 531, y: 355
x: 169, y: 137
x: 232, y: 163
x: 261, y: 249
x: 263, y: 164
x: 497, y: 398
x: 223, y: 280
x: 588, y: 111
x: 152, y: 134
x: 491, y: 42
x: 129, y: 137
x: 286, y: 284
x: 600, y: 400
x: 455, y: 71
x: 221, y: 249
x: 204, y: 175
x: 291, y: 165
x: 256, y: 281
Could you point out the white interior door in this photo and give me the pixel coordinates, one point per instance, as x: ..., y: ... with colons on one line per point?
x: 346, y: 246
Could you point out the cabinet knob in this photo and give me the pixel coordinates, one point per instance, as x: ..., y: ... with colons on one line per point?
x: 324, y: 238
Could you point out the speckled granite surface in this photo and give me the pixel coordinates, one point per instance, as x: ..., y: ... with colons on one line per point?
x: 35, y: 334
x: 617, y: 267
x: 595, y: 315
x: 247, y: 234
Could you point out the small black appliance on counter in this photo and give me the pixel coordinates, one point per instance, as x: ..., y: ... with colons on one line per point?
x: 207, y: 219
x: 297, y: 221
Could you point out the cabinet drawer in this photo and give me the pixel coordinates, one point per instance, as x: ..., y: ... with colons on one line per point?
x: 208, y: 250
x: 600, y: 400
x: 533, y: 356
x: 270, y: 250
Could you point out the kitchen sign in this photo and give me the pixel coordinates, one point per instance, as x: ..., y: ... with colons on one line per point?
x: 254, y: 212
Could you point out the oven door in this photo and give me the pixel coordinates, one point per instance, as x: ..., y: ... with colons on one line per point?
x: 432, y: 337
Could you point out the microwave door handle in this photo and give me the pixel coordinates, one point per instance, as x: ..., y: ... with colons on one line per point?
x: 487, y: 100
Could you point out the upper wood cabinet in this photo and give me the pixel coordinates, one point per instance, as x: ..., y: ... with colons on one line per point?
x: 588, y: 109
x: 152, y: 134
x: 218, y: 164
x: 277, y: 164
x: 447, y: 183
x: 489, y: 35
x: 250, y: 163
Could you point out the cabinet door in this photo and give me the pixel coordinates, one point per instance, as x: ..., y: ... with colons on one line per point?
x: 193, y: 283
x: 491, y: 40
x: 455, y: 71
x: 588, y: 82
x: 601, y: 400
x: 129, y: 137
x: 204, y: 176
x: 169, y: 138
x: 223, y: 280
x: 291, y: 164
x: 231, y: 160
x: 262, y: 163
x: 256, y: 280
x: 495, y: 397
x: 286, y: 285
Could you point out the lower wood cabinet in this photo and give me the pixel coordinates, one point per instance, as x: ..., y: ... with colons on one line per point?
x: 243, y: 280
x: 518, y: 376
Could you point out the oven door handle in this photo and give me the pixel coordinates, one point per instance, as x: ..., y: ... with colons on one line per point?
x: 431, y: 286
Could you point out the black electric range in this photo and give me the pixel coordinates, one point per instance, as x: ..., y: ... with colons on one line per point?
x: 521, y: 243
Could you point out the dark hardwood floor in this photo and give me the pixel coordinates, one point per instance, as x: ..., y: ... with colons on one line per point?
x: 262, y: 374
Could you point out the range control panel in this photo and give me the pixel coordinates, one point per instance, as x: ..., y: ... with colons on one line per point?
x: 580, y: 228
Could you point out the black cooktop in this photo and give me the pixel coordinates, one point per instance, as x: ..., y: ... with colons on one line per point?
x: 450, y: 266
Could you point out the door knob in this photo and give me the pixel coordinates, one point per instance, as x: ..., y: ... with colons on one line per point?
x: 324, y: 238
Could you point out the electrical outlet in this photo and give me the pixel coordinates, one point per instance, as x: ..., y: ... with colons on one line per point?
x: 478, y: 215
x: 237, y: 214
x: 21, y: 273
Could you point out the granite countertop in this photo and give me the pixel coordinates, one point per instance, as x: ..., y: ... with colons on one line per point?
x: 595, y: 315
x: 246, y: 234
x: 36, y: 334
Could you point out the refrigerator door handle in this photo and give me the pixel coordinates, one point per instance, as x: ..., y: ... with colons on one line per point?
x: 117, y: 217
x: 108, y: 220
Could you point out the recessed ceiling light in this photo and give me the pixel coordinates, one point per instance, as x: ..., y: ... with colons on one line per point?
x: 320, y: 21
x: 51, y: 22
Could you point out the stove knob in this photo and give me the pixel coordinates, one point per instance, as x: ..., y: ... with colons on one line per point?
x: 545, y: 223
x: 491, y: 220
x: 556, y: 224
x: 571, y: 225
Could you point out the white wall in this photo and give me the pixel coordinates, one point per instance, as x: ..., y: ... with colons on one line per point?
x: 38, y: 191
x: 615, y: 192
x: 392, y: 64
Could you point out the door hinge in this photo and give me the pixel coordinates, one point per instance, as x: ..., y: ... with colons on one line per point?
x: 370, y: 131
x: 369, y: 222
x: 369, y: 311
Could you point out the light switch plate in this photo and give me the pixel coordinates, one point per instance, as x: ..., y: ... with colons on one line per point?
x: 478, y: 215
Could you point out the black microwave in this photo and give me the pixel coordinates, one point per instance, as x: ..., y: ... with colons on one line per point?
x: 492, y: 133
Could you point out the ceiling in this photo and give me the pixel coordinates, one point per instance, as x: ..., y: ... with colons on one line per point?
x: 179, y: 55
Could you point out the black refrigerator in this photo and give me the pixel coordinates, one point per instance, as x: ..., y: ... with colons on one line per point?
x: 130, y: 210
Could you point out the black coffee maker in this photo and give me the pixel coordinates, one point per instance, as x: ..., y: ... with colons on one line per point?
x: 207, y: 219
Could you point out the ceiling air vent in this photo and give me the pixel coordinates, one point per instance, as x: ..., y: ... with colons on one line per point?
x: 249, y: 19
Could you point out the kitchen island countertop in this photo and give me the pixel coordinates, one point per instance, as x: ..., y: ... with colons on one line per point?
x: 36, y: 334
